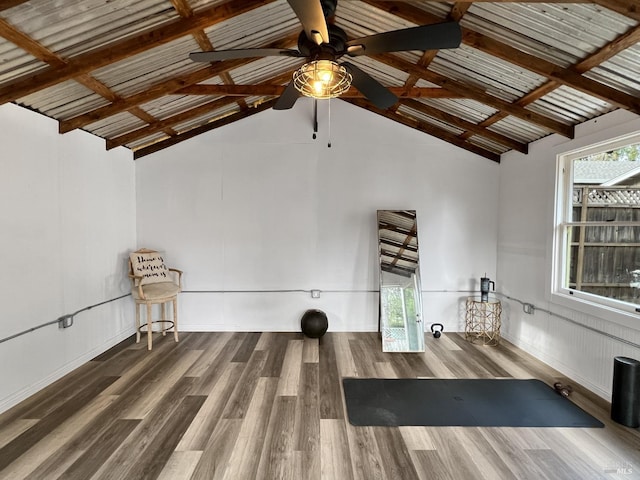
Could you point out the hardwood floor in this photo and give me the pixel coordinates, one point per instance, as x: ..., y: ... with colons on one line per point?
x: 269, y: 406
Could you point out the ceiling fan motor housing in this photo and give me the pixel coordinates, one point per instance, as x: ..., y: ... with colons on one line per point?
x: 336, y: 47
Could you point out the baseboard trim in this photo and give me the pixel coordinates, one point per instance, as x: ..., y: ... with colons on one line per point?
x: 15, y: 398
x: 561, y: 367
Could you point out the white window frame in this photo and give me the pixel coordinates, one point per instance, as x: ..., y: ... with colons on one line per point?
x: 611, y: 309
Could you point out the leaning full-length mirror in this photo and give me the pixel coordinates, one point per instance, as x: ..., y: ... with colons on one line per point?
x: 400, y: 321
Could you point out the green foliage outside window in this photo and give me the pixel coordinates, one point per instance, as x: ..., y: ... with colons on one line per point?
x: 629, y: 153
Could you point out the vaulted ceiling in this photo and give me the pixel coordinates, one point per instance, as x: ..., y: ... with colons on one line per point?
x: 121, y: 69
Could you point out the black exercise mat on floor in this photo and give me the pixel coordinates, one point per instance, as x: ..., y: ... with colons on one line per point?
x: 467, y: 403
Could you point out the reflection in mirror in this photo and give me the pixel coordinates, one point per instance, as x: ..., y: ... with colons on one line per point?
x: 400, y: 321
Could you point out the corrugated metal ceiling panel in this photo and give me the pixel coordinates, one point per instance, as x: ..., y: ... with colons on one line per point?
x: 208, y: 118
x: 385, y: 74
x: 263, y: 69
x: 14, y: 62
x: 425, y: 84
x: 70, y: 28
x: 488, y: 144
x: 430, y: 120
x: 64, y: 100
x: 139, y: 72
x: 411, y: 57
x: 440, y: 9
x: 570, y: 106
x: 621, y: 71
x: 521, y: 130
x: 497, y: 77
x: 212, y: 81
x: 197, y: 5
x: 561, y: 33
x: 359, y: 19
x: 171, y: 105
x: 469, y: 110
x: 156, y: 137
x: 116, y: 125
x: 255, y: 28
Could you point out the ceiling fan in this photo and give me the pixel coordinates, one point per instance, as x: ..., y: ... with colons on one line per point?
x: 323, y: 43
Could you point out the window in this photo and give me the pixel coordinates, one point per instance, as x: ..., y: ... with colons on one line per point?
x: 597, y: 244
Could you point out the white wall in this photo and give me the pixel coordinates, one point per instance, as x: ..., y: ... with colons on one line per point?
x: 67, y: 220
x: 527, y: 190
x: 260, y: 206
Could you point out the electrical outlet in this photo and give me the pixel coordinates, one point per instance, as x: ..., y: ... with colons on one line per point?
x: 528, y: 308
x: 65, y: 321
x: 315, y: 293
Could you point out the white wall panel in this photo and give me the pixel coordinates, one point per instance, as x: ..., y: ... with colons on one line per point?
x: 67, y: 213
x: 260, y: 206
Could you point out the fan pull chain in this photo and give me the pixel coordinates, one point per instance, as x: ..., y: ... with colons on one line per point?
x: 315, y: 117
x: 329, y: 123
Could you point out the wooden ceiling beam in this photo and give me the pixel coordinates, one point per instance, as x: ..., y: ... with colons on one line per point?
x: 160, y: 124
x: 182, y: 7
x: 464, y: 124
x: 476, y: 93
x: 180, y: 117
x: 39, y: 51
x: 276, y: 89
x: 530, y: 62
x: 28, y: 44
x: 117, y: 51
x: 185, y: 11
x: 156, y: 91
x: 550, y: 70
x: 161, y: 145
x: 528, y: 99
x: 7, y: 4
x: 623, y: 41
x: 458, y: 10
x: 167, y: 87
x: 428, y: 129
x: 629, y: 8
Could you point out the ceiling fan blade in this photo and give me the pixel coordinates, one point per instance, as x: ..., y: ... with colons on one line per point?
x: 288, y: 98
x: 242, y: 53
x: 425, y: 37
x: 310, y: 14
x: 377, y: 93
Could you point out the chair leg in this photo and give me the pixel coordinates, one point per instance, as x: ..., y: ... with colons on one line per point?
x: 138, y: 322
x: 164, y: 317
x: 175, y: 319
x: 149, y: 332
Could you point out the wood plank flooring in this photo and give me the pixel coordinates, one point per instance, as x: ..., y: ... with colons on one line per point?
x: 269, y: 406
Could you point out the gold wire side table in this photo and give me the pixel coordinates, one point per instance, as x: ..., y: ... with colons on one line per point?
x: 482, y: 321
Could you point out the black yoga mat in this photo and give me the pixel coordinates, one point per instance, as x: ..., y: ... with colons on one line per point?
x: 467, y: 403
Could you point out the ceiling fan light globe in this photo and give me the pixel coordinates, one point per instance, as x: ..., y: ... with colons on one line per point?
x: 322, y: 79
x: 319, y: 87
x: 325, y: 76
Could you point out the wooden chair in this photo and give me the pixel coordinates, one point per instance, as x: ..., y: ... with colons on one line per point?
x: 153, y: 283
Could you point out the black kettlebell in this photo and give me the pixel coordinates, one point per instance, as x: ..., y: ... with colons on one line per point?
x: 437, y: 333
